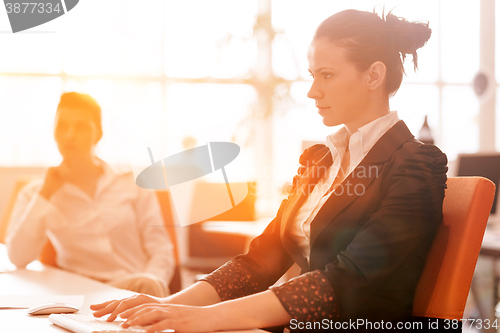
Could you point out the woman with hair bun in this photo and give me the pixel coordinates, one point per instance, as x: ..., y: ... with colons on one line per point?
x: 362, y: 213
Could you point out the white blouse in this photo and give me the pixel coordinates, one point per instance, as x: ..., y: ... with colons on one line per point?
x: 119, y: 231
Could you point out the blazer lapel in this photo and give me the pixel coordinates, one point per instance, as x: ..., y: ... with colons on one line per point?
x: 304, y: 187
x: 360, y: 178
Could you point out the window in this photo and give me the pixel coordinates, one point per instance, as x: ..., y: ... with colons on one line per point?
x: 221, y: 70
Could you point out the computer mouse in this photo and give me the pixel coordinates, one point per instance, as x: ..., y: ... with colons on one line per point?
x: 49, y: 308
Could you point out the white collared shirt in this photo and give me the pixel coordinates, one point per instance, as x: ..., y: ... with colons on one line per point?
x: 116, y: 232
x: 359, y: 144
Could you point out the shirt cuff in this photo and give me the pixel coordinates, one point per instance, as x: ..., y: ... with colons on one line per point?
x: 232, y: 280
x: 308, y: 297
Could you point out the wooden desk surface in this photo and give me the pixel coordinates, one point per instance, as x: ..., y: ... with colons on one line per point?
x: 38, y: 279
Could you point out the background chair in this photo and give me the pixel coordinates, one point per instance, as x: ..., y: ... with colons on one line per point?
x: 168, y: 220
x: 446, y: 279
x: 48, y: 254
x: 4, y: 221
x: 485, y: 165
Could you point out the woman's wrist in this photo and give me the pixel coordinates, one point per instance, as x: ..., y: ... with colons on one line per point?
x: 201, y: 293
x: 221, y: 317
x: 227, y: 316
x: 254, y: 311
x: 45, y: 192
x: 166, y: 300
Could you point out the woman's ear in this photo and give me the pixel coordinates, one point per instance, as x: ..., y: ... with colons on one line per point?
x: 376, y: 75
x: 98, y: 136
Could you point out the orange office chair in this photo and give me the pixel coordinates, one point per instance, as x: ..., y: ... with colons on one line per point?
x: 444, y: 285
x: 166, y: 209
x: 4, y: 220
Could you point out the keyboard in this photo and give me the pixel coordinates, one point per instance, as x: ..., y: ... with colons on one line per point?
x: 89, y: 324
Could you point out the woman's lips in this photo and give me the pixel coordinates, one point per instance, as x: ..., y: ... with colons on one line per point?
x: 321, y: 109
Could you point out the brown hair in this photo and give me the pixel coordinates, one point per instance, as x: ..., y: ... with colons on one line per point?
x: 369, y: 38
x: 82, y: 102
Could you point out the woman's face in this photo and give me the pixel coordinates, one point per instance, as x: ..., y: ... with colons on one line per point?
x: 339, y: 88
x: 76, y: 134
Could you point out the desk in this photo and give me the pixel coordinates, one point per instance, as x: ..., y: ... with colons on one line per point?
x: 39, y: 279
x: 491, y: 248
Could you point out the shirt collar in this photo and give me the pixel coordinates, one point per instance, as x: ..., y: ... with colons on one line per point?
x: 338, y: 141
x: 108, y: 176
x: 371, y: 132
x: 365, y: 137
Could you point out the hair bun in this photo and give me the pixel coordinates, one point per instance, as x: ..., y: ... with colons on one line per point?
x: 368, y: 37
x: 407, y: 37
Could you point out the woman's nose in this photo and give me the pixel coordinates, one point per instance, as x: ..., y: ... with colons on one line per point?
x: 314, y: 92
x: 70, y: 133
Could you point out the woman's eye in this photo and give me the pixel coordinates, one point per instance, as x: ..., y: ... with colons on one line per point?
x: 82, y: 127
x: 327, y: 75
x: 311, y: 75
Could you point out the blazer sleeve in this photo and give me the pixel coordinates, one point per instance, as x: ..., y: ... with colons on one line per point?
x: 267, y: 260
x: 407, y: 218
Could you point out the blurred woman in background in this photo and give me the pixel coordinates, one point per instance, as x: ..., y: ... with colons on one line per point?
x: 100, y: 223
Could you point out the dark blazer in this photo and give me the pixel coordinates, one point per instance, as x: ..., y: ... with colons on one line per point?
x: 368, y: 241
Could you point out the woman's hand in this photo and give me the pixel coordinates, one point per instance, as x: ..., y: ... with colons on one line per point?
x: 200, y: 294
x: 54, y: 179
x: 181, y: 318
x: 116, y: 307
x: 257, y: 310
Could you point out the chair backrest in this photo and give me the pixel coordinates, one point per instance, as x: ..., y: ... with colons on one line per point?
x: 445, y: 282
x: 4, y: 220
x: 165, y: 202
